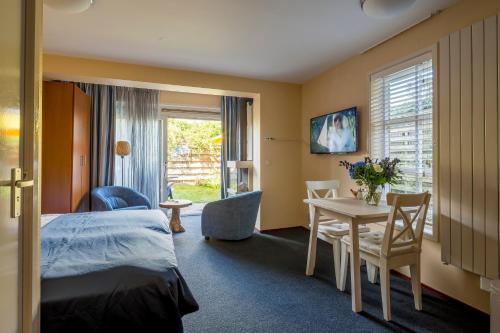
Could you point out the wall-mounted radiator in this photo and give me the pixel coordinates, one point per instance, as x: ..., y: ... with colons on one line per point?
x: 469, y: 149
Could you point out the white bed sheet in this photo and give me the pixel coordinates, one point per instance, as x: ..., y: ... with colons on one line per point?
x: 47, y: 218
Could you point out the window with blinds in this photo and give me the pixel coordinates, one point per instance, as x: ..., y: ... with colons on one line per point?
x: 401, y: 123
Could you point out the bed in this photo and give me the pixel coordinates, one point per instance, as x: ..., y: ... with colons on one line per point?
x: 111, y: 272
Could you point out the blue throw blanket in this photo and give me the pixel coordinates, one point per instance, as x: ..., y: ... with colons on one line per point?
x: 112, y: 271
x: 75, y: 244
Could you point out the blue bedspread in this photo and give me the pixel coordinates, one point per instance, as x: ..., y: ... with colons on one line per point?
x: 112, y: 271
x: 74, y: 244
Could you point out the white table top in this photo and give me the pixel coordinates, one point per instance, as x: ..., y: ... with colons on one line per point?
x: 351, y: 207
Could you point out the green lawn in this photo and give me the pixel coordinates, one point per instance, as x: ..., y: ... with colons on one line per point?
x: 196, y: 193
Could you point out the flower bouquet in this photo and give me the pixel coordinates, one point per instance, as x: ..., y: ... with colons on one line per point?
x: 372, y: 174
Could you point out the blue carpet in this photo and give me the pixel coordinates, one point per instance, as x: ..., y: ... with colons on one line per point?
x: 259, y: 285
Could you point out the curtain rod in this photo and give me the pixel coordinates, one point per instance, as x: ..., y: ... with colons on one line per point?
x: 189, y: 108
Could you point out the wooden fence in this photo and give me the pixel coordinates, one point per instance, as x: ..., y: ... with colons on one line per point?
x: 193, y: 169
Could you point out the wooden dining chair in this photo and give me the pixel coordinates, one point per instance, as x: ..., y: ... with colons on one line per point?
x: 395, y: 247
x: 329, y: 230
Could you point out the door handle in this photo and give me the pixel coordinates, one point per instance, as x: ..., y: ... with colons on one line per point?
x: 16, y: 184
x: 24, y: 183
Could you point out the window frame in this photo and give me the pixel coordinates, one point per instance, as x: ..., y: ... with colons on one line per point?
x: 402, y: 63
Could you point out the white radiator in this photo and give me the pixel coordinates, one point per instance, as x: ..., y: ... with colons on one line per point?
x: 469, y: 149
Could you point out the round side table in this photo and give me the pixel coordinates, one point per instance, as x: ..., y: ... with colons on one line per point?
x: 175, y: 218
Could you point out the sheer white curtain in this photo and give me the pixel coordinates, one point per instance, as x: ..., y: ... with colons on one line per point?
x: 137, y: 122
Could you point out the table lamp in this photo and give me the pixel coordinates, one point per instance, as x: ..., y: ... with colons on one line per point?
x: 122, y: 150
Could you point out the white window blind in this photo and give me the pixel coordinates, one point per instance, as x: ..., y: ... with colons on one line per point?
x: 401, y: 123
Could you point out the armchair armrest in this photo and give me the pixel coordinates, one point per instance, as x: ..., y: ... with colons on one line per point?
x: 99, y: 202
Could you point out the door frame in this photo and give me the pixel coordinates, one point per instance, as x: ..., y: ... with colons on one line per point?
x: 173, y: 111
x: 31, y: 92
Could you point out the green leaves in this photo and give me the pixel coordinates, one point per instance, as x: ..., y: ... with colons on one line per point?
x: 195, y: 134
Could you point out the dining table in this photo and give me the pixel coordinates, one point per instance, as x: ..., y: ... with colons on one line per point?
x: 354, y: 212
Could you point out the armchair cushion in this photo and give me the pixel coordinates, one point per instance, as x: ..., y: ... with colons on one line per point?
x: 118, y: 198
x: 133, y: 208
x: 117, y: 202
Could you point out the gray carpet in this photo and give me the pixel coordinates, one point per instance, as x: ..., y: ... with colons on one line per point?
x: 259, y: 285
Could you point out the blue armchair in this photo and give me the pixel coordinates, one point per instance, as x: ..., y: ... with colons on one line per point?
x: 118, y: 198
x: 232, y: 218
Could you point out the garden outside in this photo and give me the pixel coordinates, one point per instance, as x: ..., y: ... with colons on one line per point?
x: 196, y: 193
x: 194, y: 159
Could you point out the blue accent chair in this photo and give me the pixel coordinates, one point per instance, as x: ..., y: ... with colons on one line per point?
x: 118, y: 198
x: 232, y: 218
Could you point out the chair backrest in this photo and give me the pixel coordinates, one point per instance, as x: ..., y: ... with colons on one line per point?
x: 116, y: 197
x: 410, y: 235
x: 231, y: 218
x: 314, y: 187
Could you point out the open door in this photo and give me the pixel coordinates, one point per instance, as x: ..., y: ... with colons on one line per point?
x: 19, y: 93
x: 191, y: 152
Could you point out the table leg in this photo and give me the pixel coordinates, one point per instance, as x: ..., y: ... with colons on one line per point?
x: 355, y: 270
x: 313, y: 240
x: 175, y: 221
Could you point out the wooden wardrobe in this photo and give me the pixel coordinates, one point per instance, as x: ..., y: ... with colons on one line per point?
x: 65, y: 148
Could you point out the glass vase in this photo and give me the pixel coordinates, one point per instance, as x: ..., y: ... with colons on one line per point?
x: 373, y: 195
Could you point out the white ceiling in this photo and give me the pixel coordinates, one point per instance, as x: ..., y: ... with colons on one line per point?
x: 279, y: 40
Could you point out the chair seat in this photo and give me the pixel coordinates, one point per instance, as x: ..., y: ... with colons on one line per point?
x: 140, y: 207
x: 372, y: 242
x: 334, y: 228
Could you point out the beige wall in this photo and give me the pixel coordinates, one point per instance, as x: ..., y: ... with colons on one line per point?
x: 280, y: 105
x: 191, y: 99
x: 347, y: 85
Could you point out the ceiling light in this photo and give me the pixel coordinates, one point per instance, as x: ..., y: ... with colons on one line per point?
x: 385, y: 8
x: 69, y: 6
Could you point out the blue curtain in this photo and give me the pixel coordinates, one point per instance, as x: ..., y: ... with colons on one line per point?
x: 102, y: 123
x: 137, y: 122
x: 234, y: 135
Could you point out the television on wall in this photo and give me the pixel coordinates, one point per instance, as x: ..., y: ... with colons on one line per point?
x: 335, y: 133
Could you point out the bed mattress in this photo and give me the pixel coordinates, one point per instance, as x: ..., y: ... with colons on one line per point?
x: 111, y: 271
